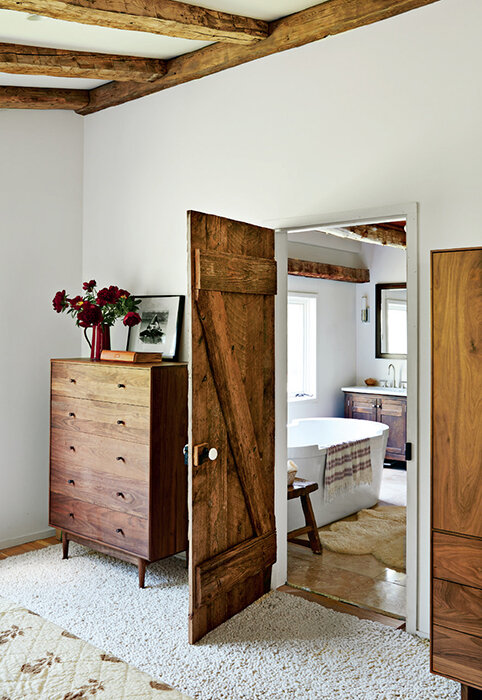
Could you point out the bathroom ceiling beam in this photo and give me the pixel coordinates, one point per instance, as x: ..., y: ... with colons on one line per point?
x: 339, y: 273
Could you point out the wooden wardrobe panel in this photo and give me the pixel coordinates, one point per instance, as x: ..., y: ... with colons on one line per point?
x: 457, y: 391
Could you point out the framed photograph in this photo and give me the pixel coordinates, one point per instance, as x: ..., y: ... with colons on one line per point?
x: 160, y: 326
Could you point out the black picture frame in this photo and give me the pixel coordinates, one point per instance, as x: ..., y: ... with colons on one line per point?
x: 378, y: 320
x: 175, y: 326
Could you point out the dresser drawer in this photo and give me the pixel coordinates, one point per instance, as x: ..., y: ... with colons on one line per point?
x: 116, y: 493
x: 101, y: 382
x: 69, y: 448
x: 457, y: 655
x: 119, y: 421
x: 457, y: 607
x: 457, y: 559
x: 120, y: 530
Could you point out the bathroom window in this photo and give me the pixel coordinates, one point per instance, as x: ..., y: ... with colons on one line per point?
x: 301, y: 346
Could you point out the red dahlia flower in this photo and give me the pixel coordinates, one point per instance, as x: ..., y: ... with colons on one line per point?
x: 108, y: 295
x: 89, y: 286
x: 76, y: 302
x: 59, y: 302
x: 131, y: 319
x: 89, y: 315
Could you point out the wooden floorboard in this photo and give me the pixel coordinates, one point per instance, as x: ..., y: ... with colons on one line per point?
x: 339, y: 606
x: 28, y: 547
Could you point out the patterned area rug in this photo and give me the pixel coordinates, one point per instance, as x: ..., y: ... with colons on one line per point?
x: 280, y: 648
x: 379, y: 531
x: 41, y: 660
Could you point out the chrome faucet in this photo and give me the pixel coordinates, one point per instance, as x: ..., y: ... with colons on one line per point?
x: 390, y: 366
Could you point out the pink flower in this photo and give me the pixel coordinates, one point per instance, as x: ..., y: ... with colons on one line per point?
x: 131, y: 319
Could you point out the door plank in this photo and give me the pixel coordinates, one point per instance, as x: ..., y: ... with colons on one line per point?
x: 232, y: 397
x: 225, y: 570
x: 220, y: 518
x: 225, y: 272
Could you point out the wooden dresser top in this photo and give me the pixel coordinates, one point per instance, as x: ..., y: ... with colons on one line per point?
x: 123, y: 365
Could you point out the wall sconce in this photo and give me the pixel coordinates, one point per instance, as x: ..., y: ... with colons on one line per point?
x: 364, y: 309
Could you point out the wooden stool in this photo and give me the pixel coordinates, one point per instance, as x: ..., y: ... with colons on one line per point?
x: 302, y: 489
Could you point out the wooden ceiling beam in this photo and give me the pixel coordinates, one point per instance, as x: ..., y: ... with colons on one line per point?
x: 317, y: 270
x: 327, y: 19
x: 42, y: 98
x: 166, y: 17
x: 380, y: 233
x: 35, y: 60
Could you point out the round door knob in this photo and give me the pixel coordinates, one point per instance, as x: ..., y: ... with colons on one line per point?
x: 213, y: 454
x: 120, y: 422
x: 71, y: 481
x: 119, y: 531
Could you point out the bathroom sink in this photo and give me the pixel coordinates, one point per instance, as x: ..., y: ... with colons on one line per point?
x: 386, y: 390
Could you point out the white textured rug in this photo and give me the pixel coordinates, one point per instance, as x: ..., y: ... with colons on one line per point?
x: 280, y: 647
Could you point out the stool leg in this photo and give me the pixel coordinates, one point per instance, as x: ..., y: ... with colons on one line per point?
x: 311, y: 522
x: 65, y: 546
x: 141, y: 565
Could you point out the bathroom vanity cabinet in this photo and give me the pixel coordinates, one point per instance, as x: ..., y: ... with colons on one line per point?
x: 390, y: 409
x: 118, y: 482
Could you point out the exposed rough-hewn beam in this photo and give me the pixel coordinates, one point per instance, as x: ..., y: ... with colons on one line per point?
x: 36, y: 60
x: 42, y: 98
x: 381, y: 233
x: 329, y: 18
x: 167, y: 17
x: 307, y: 268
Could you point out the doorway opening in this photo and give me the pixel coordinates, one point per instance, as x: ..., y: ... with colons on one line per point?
x: 347, y: 413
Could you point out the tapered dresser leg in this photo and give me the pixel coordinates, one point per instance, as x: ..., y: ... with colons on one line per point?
x: 142, y: 571
x: 468, y: 693
x: 65, y: 546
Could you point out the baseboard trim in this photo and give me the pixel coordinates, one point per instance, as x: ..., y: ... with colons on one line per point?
x: 5, y: 544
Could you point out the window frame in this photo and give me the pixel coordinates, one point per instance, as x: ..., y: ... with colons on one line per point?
x: 309, y: 390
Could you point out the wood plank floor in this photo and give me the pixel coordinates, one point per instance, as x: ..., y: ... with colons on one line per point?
x: 28, y: 547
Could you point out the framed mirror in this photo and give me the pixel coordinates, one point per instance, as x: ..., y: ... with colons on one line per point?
x: 391, y: 320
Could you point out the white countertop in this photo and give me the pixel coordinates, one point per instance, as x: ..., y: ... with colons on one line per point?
x: 385, y: 390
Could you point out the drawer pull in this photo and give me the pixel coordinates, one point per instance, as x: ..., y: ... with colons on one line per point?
x: 120, y: 459
x: 120, y: 531
x: 121, y: 386
x: 121, y: 422
x: 72, y: 448
x: 71, y: 481
x: 72, y: 381
x: 71, y: 415
x: 71, y: 515
x: 120, y: 494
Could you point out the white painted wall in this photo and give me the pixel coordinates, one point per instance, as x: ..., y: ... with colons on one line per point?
x: 385, y: 265
x: 380, y: 115
x: 40, y: 229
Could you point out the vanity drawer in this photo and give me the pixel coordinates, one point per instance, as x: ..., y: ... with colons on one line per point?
x: 116, y: 493
x: 119, y: 421
x: 101, y: 381
x: 121, y: 458
x: 457, y: 559
x: 457, y: 607
x: 457, y: 655
x: 120, y: 530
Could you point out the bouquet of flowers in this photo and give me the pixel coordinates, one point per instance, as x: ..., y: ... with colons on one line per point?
x: 99, y: 310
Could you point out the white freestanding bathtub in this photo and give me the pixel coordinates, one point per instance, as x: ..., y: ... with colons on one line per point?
x: 308, y: 439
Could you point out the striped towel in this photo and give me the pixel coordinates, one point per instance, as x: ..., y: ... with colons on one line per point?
x: 347, y: 465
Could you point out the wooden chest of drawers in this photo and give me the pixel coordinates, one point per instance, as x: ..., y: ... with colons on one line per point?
x: 118, y: 482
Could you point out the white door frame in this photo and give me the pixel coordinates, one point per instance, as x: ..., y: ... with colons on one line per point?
x: 409, y: 212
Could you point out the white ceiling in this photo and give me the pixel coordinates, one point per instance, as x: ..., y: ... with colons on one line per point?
x: 22, y: 28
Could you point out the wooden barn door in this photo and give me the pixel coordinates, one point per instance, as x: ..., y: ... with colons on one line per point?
x: 232, y: 526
